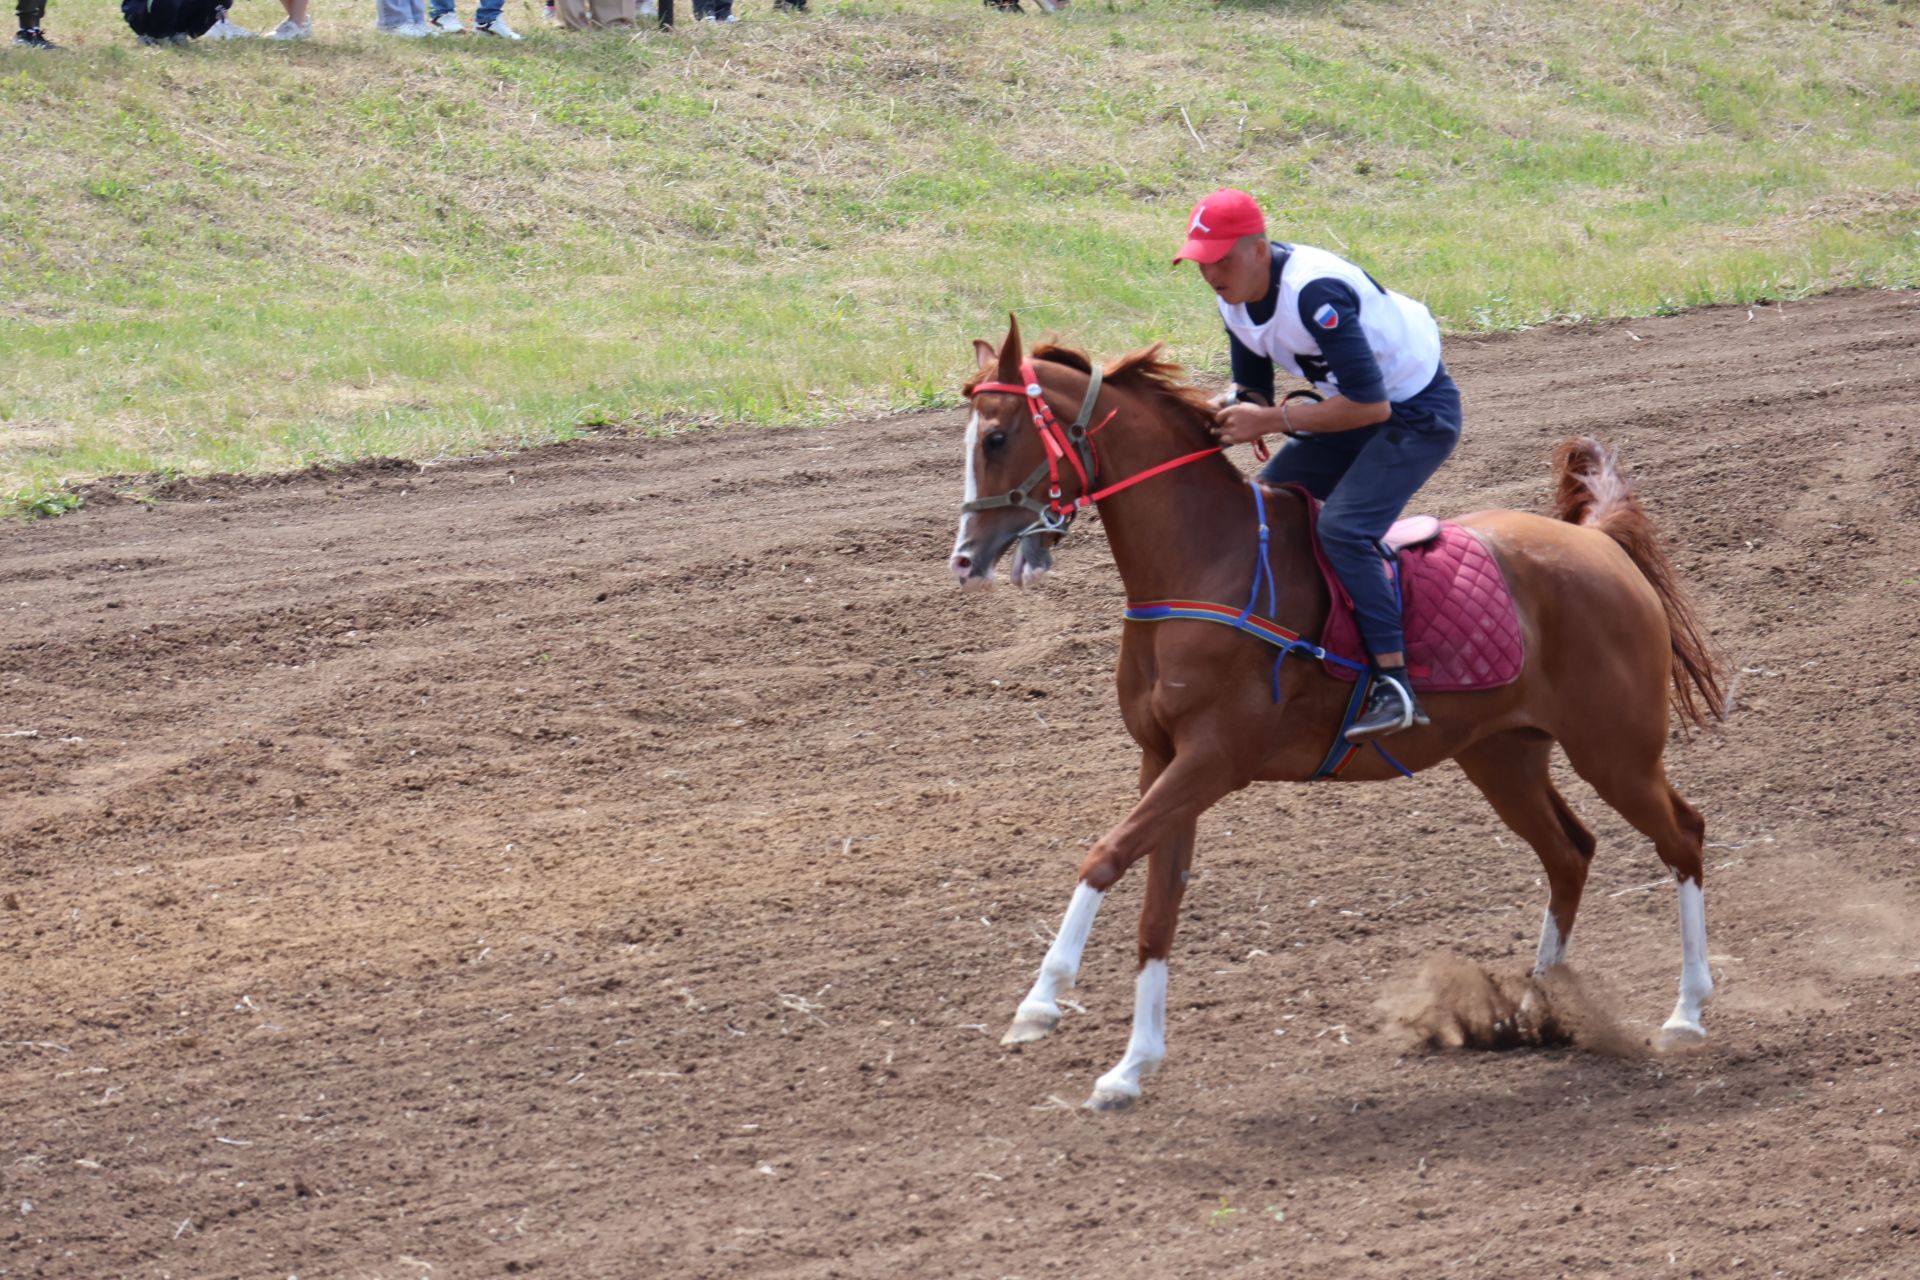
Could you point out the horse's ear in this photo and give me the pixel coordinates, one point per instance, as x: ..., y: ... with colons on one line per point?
x: 1010, y: 351
x: 983, y: 353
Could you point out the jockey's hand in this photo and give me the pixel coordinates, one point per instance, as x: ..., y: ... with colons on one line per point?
x: 1243, y: 423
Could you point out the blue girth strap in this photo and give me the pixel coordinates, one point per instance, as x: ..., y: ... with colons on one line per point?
x: 1282, y: 639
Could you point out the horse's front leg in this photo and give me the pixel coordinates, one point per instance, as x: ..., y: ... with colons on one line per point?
x: 1147, y: 1043
x: 1039, y: 1013
x: 1161, y: 825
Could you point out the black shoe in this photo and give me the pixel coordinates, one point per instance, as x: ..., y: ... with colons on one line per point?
x: 34, y: 38
x: 1390, y: 708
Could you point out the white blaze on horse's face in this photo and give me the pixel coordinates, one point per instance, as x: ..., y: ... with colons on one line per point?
x: 962, y: 562
x: 984, y: 536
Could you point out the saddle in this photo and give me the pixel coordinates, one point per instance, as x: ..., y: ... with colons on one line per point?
x: 1463, y: 632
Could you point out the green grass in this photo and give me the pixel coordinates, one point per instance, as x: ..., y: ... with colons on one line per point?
x: 242, y: 256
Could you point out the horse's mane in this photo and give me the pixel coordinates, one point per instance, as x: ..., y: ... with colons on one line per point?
x: 1145, y: 372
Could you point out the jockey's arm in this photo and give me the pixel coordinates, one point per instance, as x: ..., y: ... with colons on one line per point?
x: 1240, y: 423
x: 1330, y: 312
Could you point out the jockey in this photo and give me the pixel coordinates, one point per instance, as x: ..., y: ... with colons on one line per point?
x: 1390, y: 417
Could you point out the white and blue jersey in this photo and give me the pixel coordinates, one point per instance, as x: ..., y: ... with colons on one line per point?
x: 1327, y: 321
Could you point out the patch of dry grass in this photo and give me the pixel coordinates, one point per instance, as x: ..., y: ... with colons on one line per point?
x: 259, y: 255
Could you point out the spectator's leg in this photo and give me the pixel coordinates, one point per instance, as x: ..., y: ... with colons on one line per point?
x: 391, y: 13
x: 135, y: 12
x: 296, y: 9
x: 615, y: 13
x: 666, y: 15
x: 486, y: 11
x: 31, y: 12
x: 721, y: 10
x: 574, y: 16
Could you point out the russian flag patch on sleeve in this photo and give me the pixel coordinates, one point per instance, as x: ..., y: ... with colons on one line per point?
x: 1326, y: 317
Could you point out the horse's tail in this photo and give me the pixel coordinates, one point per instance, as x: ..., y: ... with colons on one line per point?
x: 1590, y: 490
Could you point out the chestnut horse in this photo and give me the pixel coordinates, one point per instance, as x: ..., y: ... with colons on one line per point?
x: 1610, y: 641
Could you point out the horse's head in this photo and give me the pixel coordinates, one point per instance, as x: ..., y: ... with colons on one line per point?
x: 1024, y: 470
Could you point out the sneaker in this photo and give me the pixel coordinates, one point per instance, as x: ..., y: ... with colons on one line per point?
x: 225, y: 30
x: 291, y: 30
x: 498, y: 27
x: 447, y: 24
x: 1390, y: 708
x: 33, y: 38
x: 409, y: 30
x: 180, y: 38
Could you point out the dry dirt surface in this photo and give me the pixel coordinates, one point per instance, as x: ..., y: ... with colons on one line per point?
x: 621, y: 860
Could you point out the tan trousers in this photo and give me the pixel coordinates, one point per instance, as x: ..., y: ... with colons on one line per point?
x: 585, y: 15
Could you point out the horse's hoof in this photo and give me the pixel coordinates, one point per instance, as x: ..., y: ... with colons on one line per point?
x: 1681, y: 1036
x: 1104, y: 1100
x: 1027, y: 1030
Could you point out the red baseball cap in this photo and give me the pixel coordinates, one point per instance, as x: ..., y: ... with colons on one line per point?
x: 1217, y: 221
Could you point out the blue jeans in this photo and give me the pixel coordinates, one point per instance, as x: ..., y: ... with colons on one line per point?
x: 1365, y: 477
x: 487, y: 10
x: 399, y: 13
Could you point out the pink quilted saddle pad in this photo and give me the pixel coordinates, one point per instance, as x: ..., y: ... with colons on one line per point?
x: 1463, y: 632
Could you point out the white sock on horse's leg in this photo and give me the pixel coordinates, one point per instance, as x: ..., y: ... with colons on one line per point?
x: 1553, y: 950
x: 1553, y: 945
x: 1696, y: 980
x: 1039, y: 1013
x: 1146, y: 1045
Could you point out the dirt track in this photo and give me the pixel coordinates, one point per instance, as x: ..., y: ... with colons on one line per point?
x: 621, y: 859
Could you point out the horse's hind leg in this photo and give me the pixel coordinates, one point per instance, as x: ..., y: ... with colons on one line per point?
x: 1640, y: 792
x: 1511, y: 770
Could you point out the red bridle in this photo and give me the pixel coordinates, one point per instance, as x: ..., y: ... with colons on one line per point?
x: 1073, y: 443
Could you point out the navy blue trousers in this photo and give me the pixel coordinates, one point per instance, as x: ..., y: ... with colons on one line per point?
x: 1366, y: 477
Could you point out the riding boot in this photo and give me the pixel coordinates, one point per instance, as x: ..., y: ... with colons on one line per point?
x: 1391, y: 707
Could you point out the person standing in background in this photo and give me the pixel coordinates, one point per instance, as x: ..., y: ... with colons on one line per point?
x: 486, y: 19
x: 402, y: 18
x: 169, y: 21
x: 30, y: 35
x: 593, y: 15
x: 297, y: 25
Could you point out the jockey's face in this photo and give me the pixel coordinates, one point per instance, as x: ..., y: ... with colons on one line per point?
x: 1244, y: 275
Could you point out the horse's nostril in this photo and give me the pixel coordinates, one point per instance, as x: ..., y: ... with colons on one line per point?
x: 963, y: 562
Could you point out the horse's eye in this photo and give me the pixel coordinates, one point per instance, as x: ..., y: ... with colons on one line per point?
x: 995, y: 439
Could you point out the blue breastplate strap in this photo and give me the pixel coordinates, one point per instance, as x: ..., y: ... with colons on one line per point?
x: 1244, y: 618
